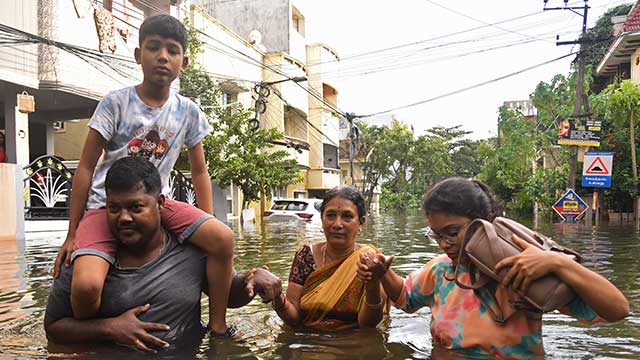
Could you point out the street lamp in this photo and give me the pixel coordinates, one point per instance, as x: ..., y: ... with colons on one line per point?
x: 294, y: 79
x: 263, y: 91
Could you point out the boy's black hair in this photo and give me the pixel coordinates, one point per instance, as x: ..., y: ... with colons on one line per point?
x: 165, y: 26
x: 463, y: 197
x: 348, y: 193
x: 129, y: 173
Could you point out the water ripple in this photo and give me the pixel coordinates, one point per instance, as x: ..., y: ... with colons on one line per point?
x: 612, y: 250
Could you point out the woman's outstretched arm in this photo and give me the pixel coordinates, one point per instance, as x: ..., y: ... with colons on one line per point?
x: 378, y: 268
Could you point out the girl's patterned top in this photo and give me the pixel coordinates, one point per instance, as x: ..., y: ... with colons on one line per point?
x: 459, y: 321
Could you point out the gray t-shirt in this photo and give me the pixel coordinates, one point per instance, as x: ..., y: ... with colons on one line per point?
x: 171, y: 284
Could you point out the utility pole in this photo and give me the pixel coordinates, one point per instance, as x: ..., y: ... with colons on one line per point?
x: 578, y: 104
x: 352, y: 142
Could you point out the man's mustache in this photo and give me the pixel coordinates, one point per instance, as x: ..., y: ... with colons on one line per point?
x: 128, y: 226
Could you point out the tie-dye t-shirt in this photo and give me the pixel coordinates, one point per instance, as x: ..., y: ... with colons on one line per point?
x: 131, y: 128
x: 459, y: 321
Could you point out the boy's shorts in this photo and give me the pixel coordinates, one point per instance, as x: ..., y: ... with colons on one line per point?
x: 94, y: 237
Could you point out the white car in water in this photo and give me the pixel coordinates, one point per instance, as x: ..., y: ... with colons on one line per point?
x: 294, y: 209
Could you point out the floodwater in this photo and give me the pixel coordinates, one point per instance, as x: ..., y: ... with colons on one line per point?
x: 612, y: 250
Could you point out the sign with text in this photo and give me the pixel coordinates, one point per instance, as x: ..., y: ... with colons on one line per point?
x: 570, y: 205
x: 581, y: 132
x: 596, y: 169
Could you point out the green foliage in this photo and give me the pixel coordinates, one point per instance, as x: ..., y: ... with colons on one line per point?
x: 375, y: 164
x: 235, y: 153
x: 509, y: 166
x: 522, y: 143
x: 599, y: 38
x: 399, y: 201
x: 546, y: 185
x: 405, y: 166
x: 238, y: 155
x: 614, y: 105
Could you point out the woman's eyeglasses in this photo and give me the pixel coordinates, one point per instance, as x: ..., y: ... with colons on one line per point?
x: 449, y: 239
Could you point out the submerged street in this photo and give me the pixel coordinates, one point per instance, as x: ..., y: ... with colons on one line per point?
x: 610, y: 249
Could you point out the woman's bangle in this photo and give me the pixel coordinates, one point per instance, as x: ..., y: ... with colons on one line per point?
x: 373, y: 306
x: 283, y: 302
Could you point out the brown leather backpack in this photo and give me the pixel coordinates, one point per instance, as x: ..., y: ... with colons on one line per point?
x: 486, y: 243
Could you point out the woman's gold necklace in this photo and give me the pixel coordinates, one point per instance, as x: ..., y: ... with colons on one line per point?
x: 324, y: 253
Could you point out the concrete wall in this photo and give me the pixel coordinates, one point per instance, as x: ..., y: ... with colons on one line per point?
x: 635, y: 67
x: 59, y: 20
x: 19, y: 64
x: 270, y: 17
x: 11, y: 202
x: 68, y: 143
x: 318, y: 56
x: 331, y: 128
x: 292, y: 92
x: 300, y: 187
x: 297, y: 44
x: 224, y: 42
x: 314, y: 83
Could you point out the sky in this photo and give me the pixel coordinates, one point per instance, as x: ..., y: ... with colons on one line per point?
x: 370, y: 81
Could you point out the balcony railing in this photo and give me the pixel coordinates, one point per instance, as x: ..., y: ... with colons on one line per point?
x: 324, y: 178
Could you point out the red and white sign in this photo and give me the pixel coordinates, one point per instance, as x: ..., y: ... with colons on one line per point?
x: 597, y: 164
x: 596, y: 171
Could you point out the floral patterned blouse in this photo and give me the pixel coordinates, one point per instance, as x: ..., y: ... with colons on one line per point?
x: 459, y: 321
x: 303, y: 265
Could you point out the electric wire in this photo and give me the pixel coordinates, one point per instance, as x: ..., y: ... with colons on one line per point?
x: 458, y: 91
x: 480, y: 21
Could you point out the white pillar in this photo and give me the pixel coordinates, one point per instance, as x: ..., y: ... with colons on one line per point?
x: 22, y: 137
x: 16, y: 131
x: 49, y: 138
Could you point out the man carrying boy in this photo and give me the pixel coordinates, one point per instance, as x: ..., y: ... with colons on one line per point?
x: 152, y: 292
x: 150, y: 112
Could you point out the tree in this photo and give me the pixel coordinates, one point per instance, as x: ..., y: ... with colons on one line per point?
x: 374, y: 163
x: 405, y: 166
x: 509, y: 168
x: 235, y: 152
x: 620, y: 104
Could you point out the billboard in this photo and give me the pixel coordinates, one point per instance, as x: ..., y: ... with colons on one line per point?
x: 579, y: 131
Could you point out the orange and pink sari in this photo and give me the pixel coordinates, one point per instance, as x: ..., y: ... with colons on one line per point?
x: 332, y: 295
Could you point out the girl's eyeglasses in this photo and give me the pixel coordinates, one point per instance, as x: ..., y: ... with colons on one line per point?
x: 449, y: 239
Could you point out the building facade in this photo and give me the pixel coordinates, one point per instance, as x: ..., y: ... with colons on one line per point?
x: 303, y: 110
x: 67, y: 82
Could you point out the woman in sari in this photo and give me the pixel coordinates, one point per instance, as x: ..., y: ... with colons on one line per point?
x: 323, y: 290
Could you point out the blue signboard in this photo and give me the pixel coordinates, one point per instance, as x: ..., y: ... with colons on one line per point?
x: 596, y: 170
x: 570, y: 205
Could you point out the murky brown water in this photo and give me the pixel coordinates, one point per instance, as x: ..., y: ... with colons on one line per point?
x: 612, y: 250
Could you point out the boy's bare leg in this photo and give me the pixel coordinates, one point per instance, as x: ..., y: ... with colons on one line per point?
x: 89, y: 274
x: 216, y: 239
